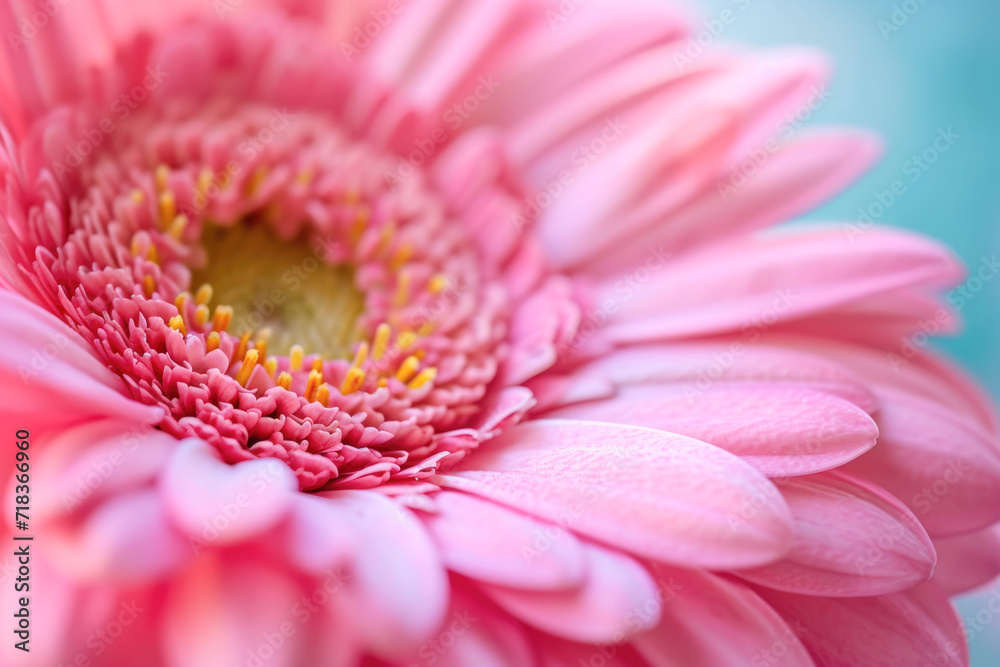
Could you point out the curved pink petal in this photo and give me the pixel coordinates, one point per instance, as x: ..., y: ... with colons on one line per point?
x: 655, y: 494
x: 851, y: 540
x: 966, y: 562
x: 915, y: 627
x: 708, y: 620
x: 490, y: 543
x: 216, y: 503
x: 618, y: 599
x: 781, y: 431
x: 749, y: 285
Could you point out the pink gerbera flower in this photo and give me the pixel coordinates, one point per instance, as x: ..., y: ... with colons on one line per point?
x: 446, y: 333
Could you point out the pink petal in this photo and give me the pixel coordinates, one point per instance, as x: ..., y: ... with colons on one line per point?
x: 967, y: 561
x: 216, y: 503
x: 618, y: 599
x: 749, y: 285
x: 398, y: 586
x: 484, y: 541
x: 708, y: 620
x: 912, y: 628
x: 782, y: 431
x: 851, y: 540
x: 656, y: 494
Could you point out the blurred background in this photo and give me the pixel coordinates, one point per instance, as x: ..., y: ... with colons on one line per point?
x: 907, y: 70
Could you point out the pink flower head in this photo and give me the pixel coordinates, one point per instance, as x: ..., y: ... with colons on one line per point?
x: 449, y: 333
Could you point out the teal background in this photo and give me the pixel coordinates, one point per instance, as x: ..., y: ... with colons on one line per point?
x: 940, y: 69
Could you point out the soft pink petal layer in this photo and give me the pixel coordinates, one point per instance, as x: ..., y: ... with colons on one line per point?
x: 852, y: 539
x: 968, y: 561
x: 656, y: 494
x: 916, y: 627
x: 782, y: 431
x: 711, y: 621
x: 618, y: 599
x: 484, y: 541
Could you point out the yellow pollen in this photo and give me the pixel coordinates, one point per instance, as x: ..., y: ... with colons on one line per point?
x: 271, y: 366
x: 408, y: 369
x: 361, y: 356
x: 312, y: 385
x: 318, y: 364
x: 212, y: 341
x: 284, y: 380
x: 149, y: 285
x: 249, y: 363
x: 401, y: 257
x: 402, y: 290
x: 138, y: 196
x: 261, y: 346
x: 355, y: 378
x: 437, y: 284
x: 295, y: 358
x: 241, y: 349
x: 177, y: 324
x: 203, y: 295
x: 178, y: 226
x: 426, y: 329
x: 168, y: 208
x: 201, y: 315
x: 153, y: 255
x: 136, y: 250
x: 360, y: 222
x: 181, y: 301
x: 205, y: 177
x: 323, y: 395
x: 255, y: 181
x: 383, y: 382
x: 161, y: 175
x: 381, y: 342
x: 426, y: 375
x: 222, y: 317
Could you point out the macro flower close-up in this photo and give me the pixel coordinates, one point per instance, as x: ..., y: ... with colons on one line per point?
x: 463, y: 333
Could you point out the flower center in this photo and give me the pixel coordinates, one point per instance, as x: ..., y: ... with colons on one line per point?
x: 284, y: 291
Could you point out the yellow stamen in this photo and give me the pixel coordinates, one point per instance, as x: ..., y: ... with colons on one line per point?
x: 426, y: 375
x: 295, y: 358
x: 318, y: 364
x: 402, y: 290
x: 201, y: 315
x: 401, y: 257
x: 149, y: 285
x: 212, y: 341
x: 249, y: 363
x: 406, y: 339
x: 271, y: 366
x: 261, y: 346
x: 323, y: 395
x: 178, y: 226
x: 312, y: 385
x: 161, y: 175
x: 382, y: 333
x: 138, y: 196
x: 360, y: 223
x: 408, y: 369
x: 222, y: 317
x: 177, y: 324
x: 284, y: 380
x: 360, y: 356
x: 152, y: 255
x: 255, y: 180
x: 437, y: 284
x: 205, y: 177
x: 181, y: 302
x: 168, y: 208
x: 355, y: 378
x: 204, y: 294
x: 241, y: 349
x: 426, y: 329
